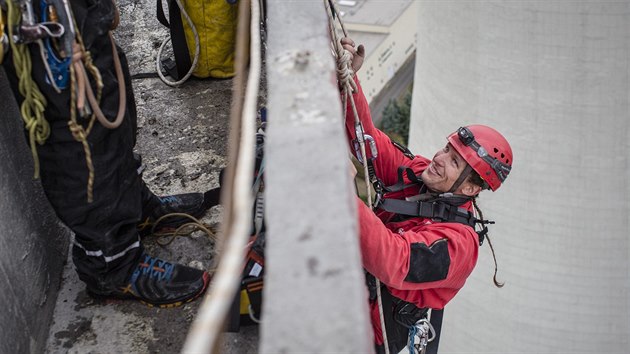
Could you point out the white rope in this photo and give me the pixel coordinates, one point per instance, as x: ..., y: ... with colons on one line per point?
x: 208, y: 325
x: 344, y: 69
x: 158, y: 61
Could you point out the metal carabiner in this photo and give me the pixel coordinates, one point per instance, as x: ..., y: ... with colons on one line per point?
x: 426, y: 334
x: 370, y: 142
x: 29, y: 31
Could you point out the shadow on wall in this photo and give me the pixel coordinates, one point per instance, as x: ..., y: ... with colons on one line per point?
x: 34, y: 243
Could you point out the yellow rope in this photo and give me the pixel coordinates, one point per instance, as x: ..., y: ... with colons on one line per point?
x: 34, y: 104
x: 79, y: 133
x: 184, y: 230
x: 82, y: 59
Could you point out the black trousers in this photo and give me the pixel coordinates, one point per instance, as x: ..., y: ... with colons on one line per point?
x: 107, y: 245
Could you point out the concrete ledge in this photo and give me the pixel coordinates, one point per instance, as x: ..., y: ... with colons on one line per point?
x: 34, y: 244
x: 315, y: 298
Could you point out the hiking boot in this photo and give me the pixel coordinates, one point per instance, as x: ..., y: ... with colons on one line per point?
x: 156, y: 282
x: 193, y: 204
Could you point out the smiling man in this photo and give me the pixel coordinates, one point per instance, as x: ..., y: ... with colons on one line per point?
x: 420, y: 240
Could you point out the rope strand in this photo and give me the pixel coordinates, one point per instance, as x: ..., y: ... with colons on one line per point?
x: 496, y: 267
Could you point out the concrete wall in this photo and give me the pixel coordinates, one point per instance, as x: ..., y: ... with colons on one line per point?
x: 33, y: 245
x: 383, y: 61
x: 315, y: 298
x: 553, y: 77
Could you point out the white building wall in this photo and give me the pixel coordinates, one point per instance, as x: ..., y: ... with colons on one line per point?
x: 554, y: 78
x: 391, y: 53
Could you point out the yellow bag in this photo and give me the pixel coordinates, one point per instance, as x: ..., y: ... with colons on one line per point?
x: 214, y: 22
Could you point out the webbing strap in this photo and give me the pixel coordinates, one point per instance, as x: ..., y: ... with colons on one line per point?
x: 433, y: 210
x: 462, y: 177
x: 400, y: 185
x: 178, y: 39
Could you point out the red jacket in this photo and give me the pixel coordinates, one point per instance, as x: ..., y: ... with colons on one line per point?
x: 404, y: 255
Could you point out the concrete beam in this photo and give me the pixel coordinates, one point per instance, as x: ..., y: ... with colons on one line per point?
x: 33, y: 245
x: 315, y: 298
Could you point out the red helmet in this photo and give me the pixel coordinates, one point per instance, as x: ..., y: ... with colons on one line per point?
x: 486, y: 151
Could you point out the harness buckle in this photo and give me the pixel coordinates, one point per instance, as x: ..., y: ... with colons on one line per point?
x: 439, y: 211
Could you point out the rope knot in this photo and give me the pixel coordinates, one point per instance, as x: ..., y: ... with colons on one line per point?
x: 345, y: 73
x: 78, y: 133
x: 77, y: 52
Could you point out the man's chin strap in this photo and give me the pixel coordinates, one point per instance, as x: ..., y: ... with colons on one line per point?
x: 462, y: 177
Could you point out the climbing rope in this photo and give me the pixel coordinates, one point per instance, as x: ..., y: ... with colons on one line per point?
x: 208, y: 325
x: 346, y: 82
x: 34, y: 104
x: 165, y: 238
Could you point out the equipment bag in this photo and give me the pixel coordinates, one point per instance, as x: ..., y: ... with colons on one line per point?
x: 203, y: 36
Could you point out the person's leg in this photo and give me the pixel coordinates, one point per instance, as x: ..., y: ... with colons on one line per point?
x: 107, y: 251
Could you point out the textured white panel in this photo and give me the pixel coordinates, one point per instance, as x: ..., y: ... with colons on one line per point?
x: 553, y: 78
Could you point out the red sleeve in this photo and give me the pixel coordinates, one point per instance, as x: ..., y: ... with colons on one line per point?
x: 392, y: 256
x: 389, y: 157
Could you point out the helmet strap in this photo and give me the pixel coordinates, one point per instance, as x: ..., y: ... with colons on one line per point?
x: 462, y: 177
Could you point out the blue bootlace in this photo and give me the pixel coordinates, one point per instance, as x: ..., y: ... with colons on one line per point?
x: 155, y: 268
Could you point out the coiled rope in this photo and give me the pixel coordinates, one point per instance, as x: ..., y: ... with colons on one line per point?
x: 165, y: 238
x: 34, y: 104
x: 345, y: 73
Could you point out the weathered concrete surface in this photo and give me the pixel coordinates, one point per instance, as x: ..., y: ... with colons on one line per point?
x: 33, y: 244
x: 182, y: 138
x: 312, y: 255
x: 553, y: 77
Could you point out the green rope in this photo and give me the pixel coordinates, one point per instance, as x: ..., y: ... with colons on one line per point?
x: 34, y: 104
